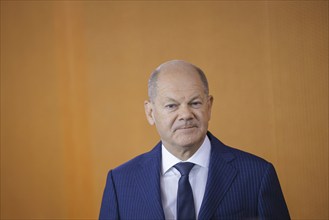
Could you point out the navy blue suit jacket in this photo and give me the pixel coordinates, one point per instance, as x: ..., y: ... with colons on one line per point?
x: 239, y: 186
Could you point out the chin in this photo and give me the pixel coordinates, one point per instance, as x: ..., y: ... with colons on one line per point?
x: 189, y: 141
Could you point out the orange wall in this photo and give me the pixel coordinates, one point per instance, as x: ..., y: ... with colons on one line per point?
x: 74, y: 77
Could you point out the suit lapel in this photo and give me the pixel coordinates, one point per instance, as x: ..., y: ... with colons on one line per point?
x: 148, y: 181
x: 220, y: 177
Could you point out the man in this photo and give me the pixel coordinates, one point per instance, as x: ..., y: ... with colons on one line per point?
x: 190, y: 174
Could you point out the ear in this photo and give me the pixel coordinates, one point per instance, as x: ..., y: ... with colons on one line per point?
x: 148, y: 106
x: 210, y: 101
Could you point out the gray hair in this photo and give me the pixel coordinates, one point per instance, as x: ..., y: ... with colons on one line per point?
x: 152, y: 83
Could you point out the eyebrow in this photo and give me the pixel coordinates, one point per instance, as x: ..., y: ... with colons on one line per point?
x: 168, y: 99
x: 174, y: 100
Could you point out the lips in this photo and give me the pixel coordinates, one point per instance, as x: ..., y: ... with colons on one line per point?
x: 186, y: 127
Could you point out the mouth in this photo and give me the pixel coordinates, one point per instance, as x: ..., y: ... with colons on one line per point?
x: 186, y: 128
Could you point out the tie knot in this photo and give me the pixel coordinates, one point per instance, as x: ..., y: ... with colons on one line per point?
x: 184, y: 167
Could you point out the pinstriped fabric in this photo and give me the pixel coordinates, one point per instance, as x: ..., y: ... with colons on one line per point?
x: 253, y: 193
x: 239, y: 186
x: 137, y: 189
x: 266, y: 195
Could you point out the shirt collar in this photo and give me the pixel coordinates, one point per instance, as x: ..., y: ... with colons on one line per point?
x: 200, y: 157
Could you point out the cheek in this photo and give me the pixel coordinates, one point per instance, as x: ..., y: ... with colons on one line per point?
x: 203, y: 116
x: 169, y: 121
x: 164, y: 120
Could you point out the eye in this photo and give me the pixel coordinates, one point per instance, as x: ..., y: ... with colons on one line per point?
x: 171, y: 106
x: 196, y: 104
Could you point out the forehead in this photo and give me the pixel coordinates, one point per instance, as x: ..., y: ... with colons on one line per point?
x: 179, y: 82
x: 178, y: 75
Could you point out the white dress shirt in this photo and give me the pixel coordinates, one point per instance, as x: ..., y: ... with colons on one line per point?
x: 197, y: 177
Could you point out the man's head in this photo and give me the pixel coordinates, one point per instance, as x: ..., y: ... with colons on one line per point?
x: 152, y: 84
x: 179, y: 105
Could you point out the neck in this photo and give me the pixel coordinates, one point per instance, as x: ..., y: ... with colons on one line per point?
x: 182, y: 152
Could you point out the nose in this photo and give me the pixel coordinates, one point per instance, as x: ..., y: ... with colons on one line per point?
x: 185, y: 113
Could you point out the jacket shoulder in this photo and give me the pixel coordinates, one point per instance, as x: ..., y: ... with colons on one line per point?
x: 136, y: 162
x: 237, y: 156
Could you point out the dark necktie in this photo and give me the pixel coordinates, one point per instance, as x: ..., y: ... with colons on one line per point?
x: 185, y: 201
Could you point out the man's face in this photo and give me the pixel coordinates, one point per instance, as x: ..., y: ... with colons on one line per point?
x: 181, y: 110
